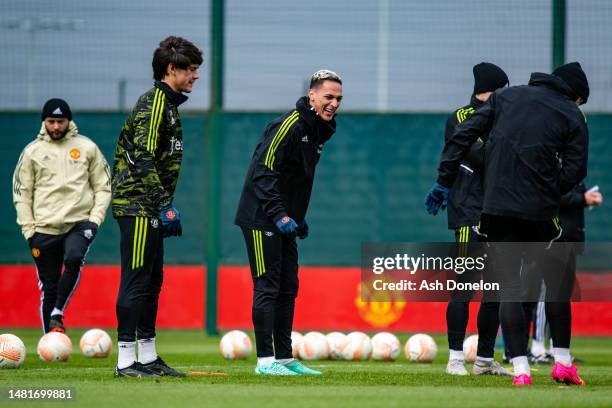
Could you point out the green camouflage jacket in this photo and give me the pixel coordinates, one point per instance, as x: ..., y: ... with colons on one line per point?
x: 148, y: 155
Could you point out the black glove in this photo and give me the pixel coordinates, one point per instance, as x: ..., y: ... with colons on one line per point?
x: 302, y: 230
x: 88, y: 228
x: 436, y: 199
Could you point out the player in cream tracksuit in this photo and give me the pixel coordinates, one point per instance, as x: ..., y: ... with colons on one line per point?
x: 61, y: 190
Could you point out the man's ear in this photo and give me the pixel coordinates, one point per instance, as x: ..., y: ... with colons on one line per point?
x: 311, y: 94
x: 171, y: 70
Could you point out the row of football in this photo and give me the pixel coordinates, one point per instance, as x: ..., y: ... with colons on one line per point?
x: 54, y: 346
x: 356, y: 345
x: 236, y: 345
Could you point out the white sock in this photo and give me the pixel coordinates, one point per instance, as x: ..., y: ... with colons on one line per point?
x: 521, y: 365
x: 285, y: 361
x: 551, y: 347
x: 456, y: 355
x: 56, y: 311
x: 537, y: 348
x: 265, y: 361
x: 127, y: 354
x: 487, y: 359
x: 562, y: 355
x: 146, y: 351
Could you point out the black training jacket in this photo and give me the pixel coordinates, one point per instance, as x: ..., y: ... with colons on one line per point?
x: 571, y: 214
x: 537, y: 148
x: 280, y: 176
x: 465, y: 197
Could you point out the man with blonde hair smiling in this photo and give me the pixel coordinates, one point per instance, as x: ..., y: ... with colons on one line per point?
x: 272, y: 212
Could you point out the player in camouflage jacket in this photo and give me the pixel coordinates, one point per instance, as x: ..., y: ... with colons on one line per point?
x: 145, y: 173
x: 149, y: 153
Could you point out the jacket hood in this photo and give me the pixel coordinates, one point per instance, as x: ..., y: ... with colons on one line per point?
x: 44, y: 135
x: 551, y: 81
x: 312, y: 119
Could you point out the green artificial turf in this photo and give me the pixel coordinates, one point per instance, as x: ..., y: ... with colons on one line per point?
x: 364, y: 384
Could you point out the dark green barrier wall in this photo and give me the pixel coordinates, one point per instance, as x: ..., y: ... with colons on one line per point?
x: 103, y: 128
x: 370, y: 184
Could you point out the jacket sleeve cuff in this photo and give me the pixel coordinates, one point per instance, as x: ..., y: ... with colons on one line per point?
x: 28, y: 232
x: 444, y: 182
x: 96, y: 220
x: 165, y: 203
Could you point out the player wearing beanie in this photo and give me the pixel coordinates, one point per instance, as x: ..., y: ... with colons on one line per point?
x: 537, y: 151
x: 464, y: 209
x: 61, y: 190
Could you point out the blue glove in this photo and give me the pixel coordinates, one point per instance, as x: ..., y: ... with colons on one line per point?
x: 171, y: 222
x: 436, y: 198
x: 286, y: 225
x: 302, y: 230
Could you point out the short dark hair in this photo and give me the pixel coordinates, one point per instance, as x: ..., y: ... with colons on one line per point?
x: 174, y: 50
x: 323, y: 75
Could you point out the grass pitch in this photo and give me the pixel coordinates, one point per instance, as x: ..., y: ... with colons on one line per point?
x: 363, y: 384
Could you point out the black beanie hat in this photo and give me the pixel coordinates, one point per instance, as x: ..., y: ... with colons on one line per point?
x: 573, y: 75
x: 488, y: 77
x: 56, y: 108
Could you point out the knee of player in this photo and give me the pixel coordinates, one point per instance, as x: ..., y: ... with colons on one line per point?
x: 261, y: 298
x: 155, y: 287
x: 50, y: 290
x: 73, y: 259
x: 288, y: 295
x: 132, y: 296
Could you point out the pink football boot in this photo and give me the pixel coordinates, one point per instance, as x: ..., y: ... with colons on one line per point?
x: 521, y: 380
x: 566, y: 374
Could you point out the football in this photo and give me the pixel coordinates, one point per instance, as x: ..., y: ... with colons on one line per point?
x: 235, y: 345
x: 421, y: 348
x: 314, y: 347
x: 336, y: 342
x: 385, y: 347
x: 12, y: 351
x: 96, y: 343
x: 54, y: 346
x: 470, y: 347
x: 358, y: 347
x: 296, y: 340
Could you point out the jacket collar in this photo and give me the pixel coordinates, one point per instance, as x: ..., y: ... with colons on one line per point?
x: 44, y: 135
x: 475, y: 103
x: 324, y: 129
x: 551, y: 82
x: 174, y: 97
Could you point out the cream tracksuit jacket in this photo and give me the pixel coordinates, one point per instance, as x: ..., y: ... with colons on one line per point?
x: 58, y: 183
